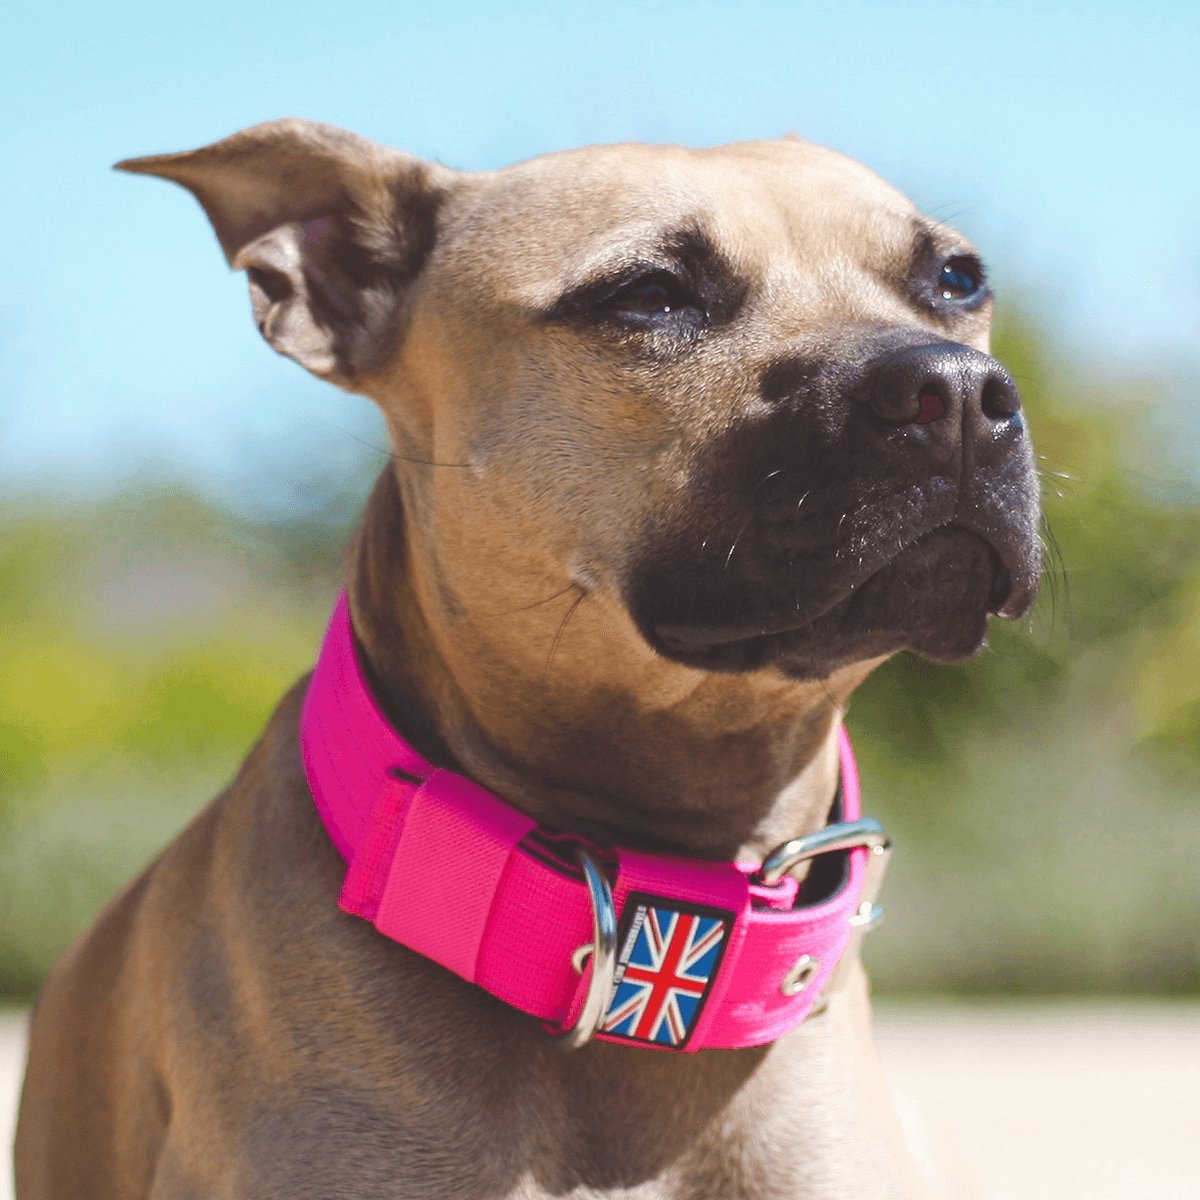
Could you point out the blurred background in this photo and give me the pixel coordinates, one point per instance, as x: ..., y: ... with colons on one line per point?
x: 175, y: 500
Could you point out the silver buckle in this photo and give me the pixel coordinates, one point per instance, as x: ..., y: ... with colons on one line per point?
x: 845, y: 835
x: 603, y: 952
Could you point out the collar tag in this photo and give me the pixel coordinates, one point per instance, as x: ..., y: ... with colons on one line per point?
x: 671, y: 954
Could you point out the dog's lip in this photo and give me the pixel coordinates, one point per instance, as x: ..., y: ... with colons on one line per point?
x: 691, y: 637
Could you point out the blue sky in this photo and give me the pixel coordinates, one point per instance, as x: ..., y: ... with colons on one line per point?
x: 1061, y: 137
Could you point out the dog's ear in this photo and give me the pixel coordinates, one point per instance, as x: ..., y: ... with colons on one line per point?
x: 330, y: 229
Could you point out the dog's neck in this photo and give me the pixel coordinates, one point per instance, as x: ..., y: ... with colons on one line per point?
x: 641, y: 752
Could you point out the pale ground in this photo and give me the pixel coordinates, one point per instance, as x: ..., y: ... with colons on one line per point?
x: 1024, y: 1102
x: 1064, y: 1101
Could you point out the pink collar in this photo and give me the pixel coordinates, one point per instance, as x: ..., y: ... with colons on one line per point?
x: 707, y: 955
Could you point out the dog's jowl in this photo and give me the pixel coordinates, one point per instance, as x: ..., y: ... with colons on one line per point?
x: 685, y: 443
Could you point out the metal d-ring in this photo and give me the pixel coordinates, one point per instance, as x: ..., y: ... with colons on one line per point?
x: 603, y: 950
x: 864, y: 834
x: 845, y: 835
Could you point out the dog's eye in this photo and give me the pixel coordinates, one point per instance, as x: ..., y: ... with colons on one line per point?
x: 653, y: 295
x: 960, y: 279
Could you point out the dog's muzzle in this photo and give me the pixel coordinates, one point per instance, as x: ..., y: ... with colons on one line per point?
x: 879, y: 500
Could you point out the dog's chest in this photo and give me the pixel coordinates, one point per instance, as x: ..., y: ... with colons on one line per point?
x: 363, y: 1069
x: 510, y: 1121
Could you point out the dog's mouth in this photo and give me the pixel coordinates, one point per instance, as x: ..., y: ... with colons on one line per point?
x: 933, y: 597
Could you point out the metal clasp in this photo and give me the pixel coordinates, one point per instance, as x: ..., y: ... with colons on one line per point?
x: 603, y: 951
x: 845, y: 835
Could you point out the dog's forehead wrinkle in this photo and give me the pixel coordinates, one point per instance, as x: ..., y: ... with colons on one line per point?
x: 555, y: 207
x: 644, y: 245
x: 534, y: 275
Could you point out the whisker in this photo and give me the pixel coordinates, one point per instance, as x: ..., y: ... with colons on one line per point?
x: 508, y: 612
x: 1056, y: 578
x: 387, y: 452
x: 734, y: 545
x: 561, y: 630
x: 383, y: 450
x: 764, y: 480
x: 953, y: 210
x: 838, y: 708
x: 837, y: 549
x: 423, y: 462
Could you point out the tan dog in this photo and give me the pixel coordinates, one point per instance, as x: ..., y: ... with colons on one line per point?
x: 685, y: 442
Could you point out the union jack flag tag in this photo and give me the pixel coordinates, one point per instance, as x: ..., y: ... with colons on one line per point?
x: 669, y: 959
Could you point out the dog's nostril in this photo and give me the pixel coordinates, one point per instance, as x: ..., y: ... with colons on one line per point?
x: 999, y: 399
x: 901, y: 401
x: 919, y: 385
x: 931, y: 407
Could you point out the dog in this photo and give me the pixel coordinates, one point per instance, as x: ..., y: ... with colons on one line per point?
x: 685, y: 443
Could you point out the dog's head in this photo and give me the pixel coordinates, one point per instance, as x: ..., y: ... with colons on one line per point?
x: 740, y: 398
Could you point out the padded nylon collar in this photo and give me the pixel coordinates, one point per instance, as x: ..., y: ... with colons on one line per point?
x: 452, y: 871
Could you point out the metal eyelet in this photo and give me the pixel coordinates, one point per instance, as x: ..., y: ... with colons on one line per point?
x: 797, y: 979
x: 603, y: 952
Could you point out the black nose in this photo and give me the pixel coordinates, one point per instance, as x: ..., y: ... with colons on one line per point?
x: 920, y: 384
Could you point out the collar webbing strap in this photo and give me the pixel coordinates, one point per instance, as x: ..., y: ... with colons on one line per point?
x: 450, y: 870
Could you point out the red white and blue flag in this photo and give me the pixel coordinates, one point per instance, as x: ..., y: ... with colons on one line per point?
x: 668, y: 962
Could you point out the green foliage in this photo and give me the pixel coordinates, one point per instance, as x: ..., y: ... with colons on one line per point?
x: 113, y: 652
x: 145, y: 644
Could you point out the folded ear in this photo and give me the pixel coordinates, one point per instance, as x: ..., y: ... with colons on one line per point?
x: 330, y: 228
